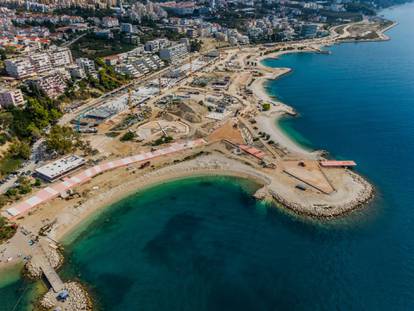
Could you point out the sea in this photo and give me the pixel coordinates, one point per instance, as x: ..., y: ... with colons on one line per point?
x: 206, y: 244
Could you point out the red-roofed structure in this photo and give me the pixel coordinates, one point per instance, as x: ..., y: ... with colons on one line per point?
x: 332, y: 163
x: 253, y: 151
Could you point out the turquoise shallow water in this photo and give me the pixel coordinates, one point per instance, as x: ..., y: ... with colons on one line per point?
x: 204, y: 244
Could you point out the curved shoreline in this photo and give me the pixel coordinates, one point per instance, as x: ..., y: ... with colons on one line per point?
x: 215, y: 165
x: 71, y: 220
x: 280, y: 109
x: 152, y: 179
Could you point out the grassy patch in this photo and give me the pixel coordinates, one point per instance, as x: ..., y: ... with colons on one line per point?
x: 6, y: 230
x: 92, y: 46
x: 9, y: 165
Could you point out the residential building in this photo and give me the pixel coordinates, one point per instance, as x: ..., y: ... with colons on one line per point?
x: 51, y: 84
x: 174, y: 53
x: 104, y: 33
x: 156, y: 45
x: 19, y: 68
x: 129, y: 70
x: 76, y: 72
x: 41, y: 62
x: 109, y: 22
x: 127, y: 28
x: 61, y: 57
x: 11, y: 98
x: 87, y: 65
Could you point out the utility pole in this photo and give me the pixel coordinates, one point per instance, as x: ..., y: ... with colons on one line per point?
x: 159, y: 84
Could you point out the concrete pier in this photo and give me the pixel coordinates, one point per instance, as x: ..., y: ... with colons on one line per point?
x: 40, y: 259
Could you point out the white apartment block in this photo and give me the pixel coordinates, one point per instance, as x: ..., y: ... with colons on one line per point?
x: 41, y: 62
x: 38, y: 63
x: 128, y: 69
x: 19, y: 68
x: 156, y: 45
x: 61, y: 57
x: 140, y: 66
x: 174, y: 53
x: 11, y: 98
x: 87, y: 65
x: 109, y: 22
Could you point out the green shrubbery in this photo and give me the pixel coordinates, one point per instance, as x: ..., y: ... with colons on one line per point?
x: 127, y: 136
x: 6, y: 230
x: 163, y: 140
x: 266, y: 106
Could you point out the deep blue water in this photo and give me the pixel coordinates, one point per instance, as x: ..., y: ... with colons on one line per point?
x: 204, y: 244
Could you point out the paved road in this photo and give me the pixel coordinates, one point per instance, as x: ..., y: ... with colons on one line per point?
x: 30, y: 165
x: 67, y: 44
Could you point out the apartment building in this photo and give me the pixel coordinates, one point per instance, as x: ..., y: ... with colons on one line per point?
x: 11, y: 98
x: 60, y: 57
x: 109, y: 22
x: 87, y: 65
x: 41, y: 62
x: 174, y: 53
x: 76, y: 72
x: 51, y: 84
x: 140, y: 66
x: 157, y: 44
x: 129, y: 69
x: 19, y: 68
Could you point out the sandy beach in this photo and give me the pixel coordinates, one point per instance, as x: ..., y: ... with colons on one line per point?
x: 267, y: 121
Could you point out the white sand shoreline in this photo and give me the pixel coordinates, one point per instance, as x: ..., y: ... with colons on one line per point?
x: 269, y: 121
x: 103, y: 202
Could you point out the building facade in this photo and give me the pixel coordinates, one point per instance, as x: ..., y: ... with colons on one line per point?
x: 10, y: 98
x: 174, y: 53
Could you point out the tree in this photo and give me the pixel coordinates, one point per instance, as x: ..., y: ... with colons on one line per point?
x: 195, y: 45
x: 6, y: 229
x: 62, y: 139
x: 266, y: 107
x: 19, y: 150
x: 24, y: 185
x: 127, y: 136
x: 3, y: 54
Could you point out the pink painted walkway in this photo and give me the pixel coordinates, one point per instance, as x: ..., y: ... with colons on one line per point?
x: 53, y: 191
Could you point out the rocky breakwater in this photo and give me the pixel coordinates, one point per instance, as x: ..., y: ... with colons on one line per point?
x: 352, y: 193
x: 78, y: 299
x: 51, y: 254
x: 263, y: 194
x: 72, y: 296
